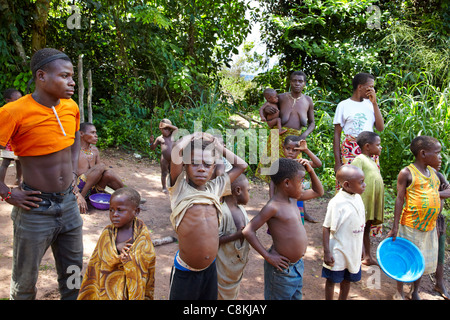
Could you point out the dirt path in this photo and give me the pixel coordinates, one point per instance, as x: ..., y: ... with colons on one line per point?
x: 144, y: 176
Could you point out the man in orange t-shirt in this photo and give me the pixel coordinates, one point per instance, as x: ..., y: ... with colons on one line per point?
x: 43, y: 130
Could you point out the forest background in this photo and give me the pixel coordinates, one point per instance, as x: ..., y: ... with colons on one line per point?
x: 186, y: 61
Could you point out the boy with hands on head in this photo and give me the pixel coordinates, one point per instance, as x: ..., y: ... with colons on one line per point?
x: 196, y: 212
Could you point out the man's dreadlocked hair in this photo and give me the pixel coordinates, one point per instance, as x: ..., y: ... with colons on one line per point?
x: 43, y: 57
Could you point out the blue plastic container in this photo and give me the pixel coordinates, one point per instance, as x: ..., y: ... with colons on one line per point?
x: 100, y: 200
x: 401, y: 259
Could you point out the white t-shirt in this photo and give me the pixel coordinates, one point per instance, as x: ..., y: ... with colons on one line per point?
x: 355, y: 117
x: 346, y: 219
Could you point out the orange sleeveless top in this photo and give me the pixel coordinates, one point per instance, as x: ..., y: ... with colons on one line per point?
x: 34, y: 129
x: 422, y: 200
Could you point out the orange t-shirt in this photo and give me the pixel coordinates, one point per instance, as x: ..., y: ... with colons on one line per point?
x: 422, y: 200
x: 33, y: 129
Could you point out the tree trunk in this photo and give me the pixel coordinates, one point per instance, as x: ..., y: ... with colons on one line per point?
x: 80, y: 87
x: 39, y: 39
x: 89, y: 96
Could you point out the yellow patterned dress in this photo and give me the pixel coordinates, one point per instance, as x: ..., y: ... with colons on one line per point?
x: 108, y: 278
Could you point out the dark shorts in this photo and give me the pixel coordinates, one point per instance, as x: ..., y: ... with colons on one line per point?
x: 193, y: 285
x: 338, y: 276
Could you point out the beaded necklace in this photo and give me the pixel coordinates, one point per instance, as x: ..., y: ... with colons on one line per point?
x: 88, y: 151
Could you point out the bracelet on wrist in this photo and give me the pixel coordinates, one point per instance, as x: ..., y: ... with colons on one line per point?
x: 8, y: 195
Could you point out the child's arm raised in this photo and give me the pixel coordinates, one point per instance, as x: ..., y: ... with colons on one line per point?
x: 403, y: 181
x: 239, y: 165
x: 316, y: 186
x: 154, y: 143
x: 171, y: 126
x: 315, y: 161
x: 274, y: 258
x: 176, y: 161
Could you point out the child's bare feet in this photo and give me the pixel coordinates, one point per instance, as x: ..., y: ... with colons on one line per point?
x: 369, y: 262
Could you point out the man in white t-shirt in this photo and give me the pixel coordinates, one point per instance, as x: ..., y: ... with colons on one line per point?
x: 358, y: 113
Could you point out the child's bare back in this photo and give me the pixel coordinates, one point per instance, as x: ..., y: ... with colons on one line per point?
x: 270, y: 116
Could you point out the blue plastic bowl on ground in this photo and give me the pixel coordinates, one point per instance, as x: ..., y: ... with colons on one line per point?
x: 401, y: 259
x: 100, y: 200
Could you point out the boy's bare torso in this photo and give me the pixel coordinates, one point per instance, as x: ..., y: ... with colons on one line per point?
x: 166, y: 147
x: 288, y: 234
x: 198, y: 235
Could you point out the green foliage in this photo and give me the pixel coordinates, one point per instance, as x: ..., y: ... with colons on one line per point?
x: 412, y: 47
x: 171, y: 49
x: 328, y: 40
x: 210, y: 109
x: 416, y: 108
x: 122, y: 121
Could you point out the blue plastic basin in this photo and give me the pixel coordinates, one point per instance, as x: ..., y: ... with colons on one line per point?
x: 400, y: 260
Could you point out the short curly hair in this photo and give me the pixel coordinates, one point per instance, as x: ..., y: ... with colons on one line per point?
x: 422, y: 143
x: 366, y: 137
x: 43, y: 57
x: 287, y: 168
x: 130, y: 193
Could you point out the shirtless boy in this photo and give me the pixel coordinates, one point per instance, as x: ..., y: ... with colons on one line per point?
x: 165, y: 141
x: 196, y: 212
x: 283, y: 263
x: 92, y: 175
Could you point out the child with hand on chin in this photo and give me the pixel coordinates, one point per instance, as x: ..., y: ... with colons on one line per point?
x: 165, y: 140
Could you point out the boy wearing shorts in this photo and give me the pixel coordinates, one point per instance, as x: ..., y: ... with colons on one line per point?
x: 343, y: 231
